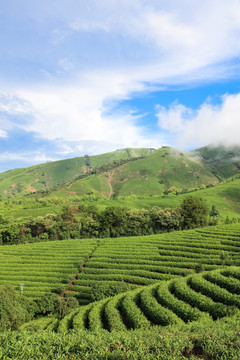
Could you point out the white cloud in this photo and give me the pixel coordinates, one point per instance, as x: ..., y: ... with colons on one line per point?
x: 173, y: 119
x: 3, y: 133
x: 26, y: 157
x: 82, y: 25
x: 206, y: 125
x: 119, y: 49
x: 66, y: 64
x: 165, y: 40
x: 80, y: 113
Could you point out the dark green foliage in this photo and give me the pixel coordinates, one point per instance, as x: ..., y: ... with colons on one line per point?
x: 165, y: 220
x: 223, y: 257
x: 51, y: 303
x: 154, y: 311
x: 213, y: 291
x: 204, y: 303
x: 135, y: 318
x: 138, y: 222
x: 66, y: 305
x: 182, y: 309
x: 113, y: 222
x: 89, y: 222
x: 87, y: 160
x: 226, y: 282
x: 95, y: 316
x: 214, y: 212
x: 14, y: 309
x: 112, y: 314
x: 194, y: 212
x: 199, y: 267
x: 202, y: 340
x: 48, y: 303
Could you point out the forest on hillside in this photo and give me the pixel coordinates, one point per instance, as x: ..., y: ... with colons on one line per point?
x: 87, y: 221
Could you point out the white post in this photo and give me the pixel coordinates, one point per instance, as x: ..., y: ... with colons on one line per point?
x: 21, y: 287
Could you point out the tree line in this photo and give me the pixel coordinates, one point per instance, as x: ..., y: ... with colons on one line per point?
x: 87, y: 221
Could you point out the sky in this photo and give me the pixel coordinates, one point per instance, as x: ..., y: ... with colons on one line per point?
x: 86, y: 77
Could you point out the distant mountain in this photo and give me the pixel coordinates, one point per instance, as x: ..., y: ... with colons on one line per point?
x: 53, y: 174
x: 162, y: 171
x: 126, y: 172
x: 222, y: 161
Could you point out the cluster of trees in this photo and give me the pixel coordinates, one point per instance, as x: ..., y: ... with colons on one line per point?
x: 87, y: 221
x: 15, y: 309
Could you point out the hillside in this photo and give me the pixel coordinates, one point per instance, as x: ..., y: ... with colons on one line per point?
x: 53, y: 174
x: 200, y: 297
x: 125, y: 172
x: 165, y: 272
x: 161, y: 178
x: 164, y: 170
x: 222, y: 161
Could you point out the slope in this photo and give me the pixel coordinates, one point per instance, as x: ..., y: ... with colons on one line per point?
x: 223, y: 161
x: 199, y: 297
x: 53, y: 174
x: 164, y: 170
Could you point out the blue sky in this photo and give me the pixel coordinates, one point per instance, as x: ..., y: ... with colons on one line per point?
x: 86, y: 77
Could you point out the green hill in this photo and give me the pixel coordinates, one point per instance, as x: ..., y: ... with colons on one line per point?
x: 125, y: 172
x: 136, y: 261
x: 53, y: 174
x: 222, y: 161
x: 164, y: 170
x: 198, y: 297
x: 145, y: 178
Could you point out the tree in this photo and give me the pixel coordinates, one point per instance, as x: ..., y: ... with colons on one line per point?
x: 138, y: 222
x: 214, y: 211
x: 194, y: 212
x: 163, y: 220
x: 223, y: 257
x: 14, y: 309
x: 113, y: 222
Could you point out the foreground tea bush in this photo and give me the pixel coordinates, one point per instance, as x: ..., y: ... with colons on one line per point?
x: 203, y: 340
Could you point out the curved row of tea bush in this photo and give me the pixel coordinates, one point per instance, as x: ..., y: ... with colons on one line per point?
x: 165, y: 303
x: 145, y: 260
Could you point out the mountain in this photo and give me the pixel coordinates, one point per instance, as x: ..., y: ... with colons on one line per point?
x: 126, y: 172
x: 222, y: 161
x: 53, y: 174
x: 162, y: 171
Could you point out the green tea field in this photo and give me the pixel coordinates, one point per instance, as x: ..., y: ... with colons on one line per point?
x: 136, y: 261
x: 199, y: 297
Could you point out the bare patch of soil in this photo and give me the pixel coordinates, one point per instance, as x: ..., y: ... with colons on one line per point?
x: 31, y: 189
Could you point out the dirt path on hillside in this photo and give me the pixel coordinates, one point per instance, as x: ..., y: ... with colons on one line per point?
x: 79, y: 272
x: 231, y: 201
x: 76, y: 277
x: 109, y: 180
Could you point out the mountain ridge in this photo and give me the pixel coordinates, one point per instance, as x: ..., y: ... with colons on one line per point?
x: 126, y: 171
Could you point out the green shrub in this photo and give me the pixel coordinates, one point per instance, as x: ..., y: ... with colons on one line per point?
x: 14, y: 309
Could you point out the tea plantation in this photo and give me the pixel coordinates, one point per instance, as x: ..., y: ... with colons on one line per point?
x: 136, y: 261
x: 178, y: 296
